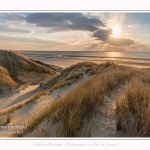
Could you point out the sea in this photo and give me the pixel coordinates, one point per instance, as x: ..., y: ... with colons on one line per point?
x: 65, y: 58
x: 102, y: 54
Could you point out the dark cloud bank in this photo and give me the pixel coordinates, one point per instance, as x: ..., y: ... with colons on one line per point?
x: 13, y: 29
x: 105, y: 36
x: 56, y: 22
x: 12, y: 16
x: 65, y: 21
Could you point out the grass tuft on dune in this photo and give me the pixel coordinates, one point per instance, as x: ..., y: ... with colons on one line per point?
x: 6, y: 82
x: 133, y: 109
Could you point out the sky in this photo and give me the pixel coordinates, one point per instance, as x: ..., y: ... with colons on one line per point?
x: 73, y: 31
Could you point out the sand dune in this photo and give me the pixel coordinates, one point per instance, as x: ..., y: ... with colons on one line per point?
x: 17, y: 70
x: 81, y: 100
x: 21, y: 115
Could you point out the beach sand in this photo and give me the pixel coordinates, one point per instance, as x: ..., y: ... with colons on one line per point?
x: 65, y: 62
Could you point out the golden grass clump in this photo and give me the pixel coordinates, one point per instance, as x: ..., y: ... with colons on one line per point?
x: 76, y: 106
x: 6, y: 80
x: 9, y: 118
x: 133, y: 109
x: 61, y: 84
x: 75, y: 75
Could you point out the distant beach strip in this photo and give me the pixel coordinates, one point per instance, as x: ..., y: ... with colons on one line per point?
x: 67, y: 58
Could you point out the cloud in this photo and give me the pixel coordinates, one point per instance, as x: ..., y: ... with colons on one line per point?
x: 7, y: 37
x: 102, y: 34
x: 140, y: 47
x: 32, y: 43
x: 134, y: 25
x: 9, y: 28
x: 120, y: 41
x: 65, y: 21
x: 22, y: 39
x: 12, y: 16
x: 106, y: 37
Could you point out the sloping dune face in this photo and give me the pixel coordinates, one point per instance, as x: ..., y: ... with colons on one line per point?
x: 6, y: 81
x: 17, y: 69
x: 15, y: 62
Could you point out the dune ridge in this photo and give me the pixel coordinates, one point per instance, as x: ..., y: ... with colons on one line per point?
x: 16, y: 69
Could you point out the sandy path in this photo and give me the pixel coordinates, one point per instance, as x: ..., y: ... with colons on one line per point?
x: 104, y: 119
x: 16, y: 97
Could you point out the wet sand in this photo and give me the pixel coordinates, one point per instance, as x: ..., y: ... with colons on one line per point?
x: 68, y: 61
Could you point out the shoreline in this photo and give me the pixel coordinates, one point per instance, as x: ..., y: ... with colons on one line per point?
x: 65, y: 62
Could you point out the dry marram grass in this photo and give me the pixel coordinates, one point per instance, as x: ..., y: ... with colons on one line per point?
x: 133, y: 109
x: 69, y: 112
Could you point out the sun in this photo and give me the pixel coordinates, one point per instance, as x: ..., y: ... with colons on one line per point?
x: 116, y: 31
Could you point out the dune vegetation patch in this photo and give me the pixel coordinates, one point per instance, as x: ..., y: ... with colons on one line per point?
x: 9, y: 118
x: 133, y: 109
x: 12, y: 61
x: 6, y: 81
x: 68, y: 75
x: 75, y: 75
x: 61, y: 84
